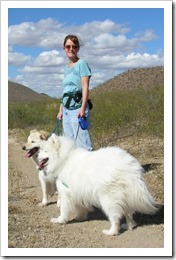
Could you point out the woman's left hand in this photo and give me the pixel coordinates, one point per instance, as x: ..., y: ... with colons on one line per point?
x: 81, y: 113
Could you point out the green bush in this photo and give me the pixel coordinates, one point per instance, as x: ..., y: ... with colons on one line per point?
x: 33, y: 115
x: 139, y: 111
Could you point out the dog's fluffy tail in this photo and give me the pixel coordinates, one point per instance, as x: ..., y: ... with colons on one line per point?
x: 142, y: 200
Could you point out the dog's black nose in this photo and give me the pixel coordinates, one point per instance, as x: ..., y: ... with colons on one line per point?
x: 24, y: 147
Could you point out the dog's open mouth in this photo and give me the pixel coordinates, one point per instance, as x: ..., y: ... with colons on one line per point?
x: 42, y: 163
x: 32, y: 152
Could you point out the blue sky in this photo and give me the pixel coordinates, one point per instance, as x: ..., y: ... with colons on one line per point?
x: 115, y: 40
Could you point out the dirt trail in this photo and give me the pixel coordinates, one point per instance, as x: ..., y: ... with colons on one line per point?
x: 29, y: 224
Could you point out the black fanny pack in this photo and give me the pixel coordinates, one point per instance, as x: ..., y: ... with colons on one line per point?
x: 77, y: 98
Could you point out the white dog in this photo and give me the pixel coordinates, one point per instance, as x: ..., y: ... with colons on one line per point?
x: 109, y: 179
x: 48, y: 182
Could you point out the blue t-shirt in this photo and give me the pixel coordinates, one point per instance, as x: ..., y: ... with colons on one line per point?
x: 72, y: 81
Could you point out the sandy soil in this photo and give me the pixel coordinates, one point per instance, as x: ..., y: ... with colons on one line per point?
x: 29, y: 224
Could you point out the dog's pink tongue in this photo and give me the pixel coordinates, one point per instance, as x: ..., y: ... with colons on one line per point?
x: 27, y: 155
x: 40, y: 165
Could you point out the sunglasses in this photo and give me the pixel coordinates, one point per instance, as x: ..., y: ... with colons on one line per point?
x: 68, y: 47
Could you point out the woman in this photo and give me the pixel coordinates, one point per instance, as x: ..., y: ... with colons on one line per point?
x: 75, y: 94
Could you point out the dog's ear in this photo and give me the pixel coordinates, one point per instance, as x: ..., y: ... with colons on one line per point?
x: 44, y: 135
x: 33, y: 131
x: 55, y: 141
x: 54, y: 138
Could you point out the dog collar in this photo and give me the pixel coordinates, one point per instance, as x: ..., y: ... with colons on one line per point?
x: 65, y: 184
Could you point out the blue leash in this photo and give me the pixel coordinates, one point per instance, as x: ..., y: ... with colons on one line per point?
x: 56, y: 127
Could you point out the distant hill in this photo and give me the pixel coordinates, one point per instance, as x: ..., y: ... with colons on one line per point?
x: 20, y: 93
x: 134, y: 78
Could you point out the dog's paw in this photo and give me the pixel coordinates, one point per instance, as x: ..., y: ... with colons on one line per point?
x: 59, y: 220
x: 43, y: 204
x: 109, y: 232
x: 132, y: 225
x: 58, y: 203
x: 54, y: 220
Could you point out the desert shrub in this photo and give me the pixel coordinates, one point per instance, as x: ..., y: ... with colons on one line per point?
x: 33, y: 115
x: 129, y: 111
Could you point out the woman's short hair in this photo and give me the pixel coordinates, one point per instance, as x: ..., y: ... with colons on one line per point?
x: 73, y: 38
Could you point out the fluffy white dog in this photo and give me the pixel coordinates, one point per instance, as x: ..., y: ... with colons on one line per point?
x: 47, y: 181
x: 109, y: 179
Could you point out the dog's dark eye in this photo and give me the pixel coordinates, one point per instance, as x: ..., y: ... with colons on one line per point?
x: 33, y: 142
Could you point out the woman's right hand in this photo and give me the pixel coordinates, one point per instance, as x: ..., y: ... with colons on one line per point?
x: 59, y: 115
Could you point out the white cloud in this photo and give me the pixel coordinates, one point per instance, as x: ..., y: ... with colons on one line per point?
x: 47, y: 63
x: 49, y: 58
x: 45, y: 33
x: 148, y: 35
x: 106, y: 41
x: 18, y: 59
x: 49, y: 33
x: 145, y: 60
x: 107, y: 48
x: 89, y: 30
